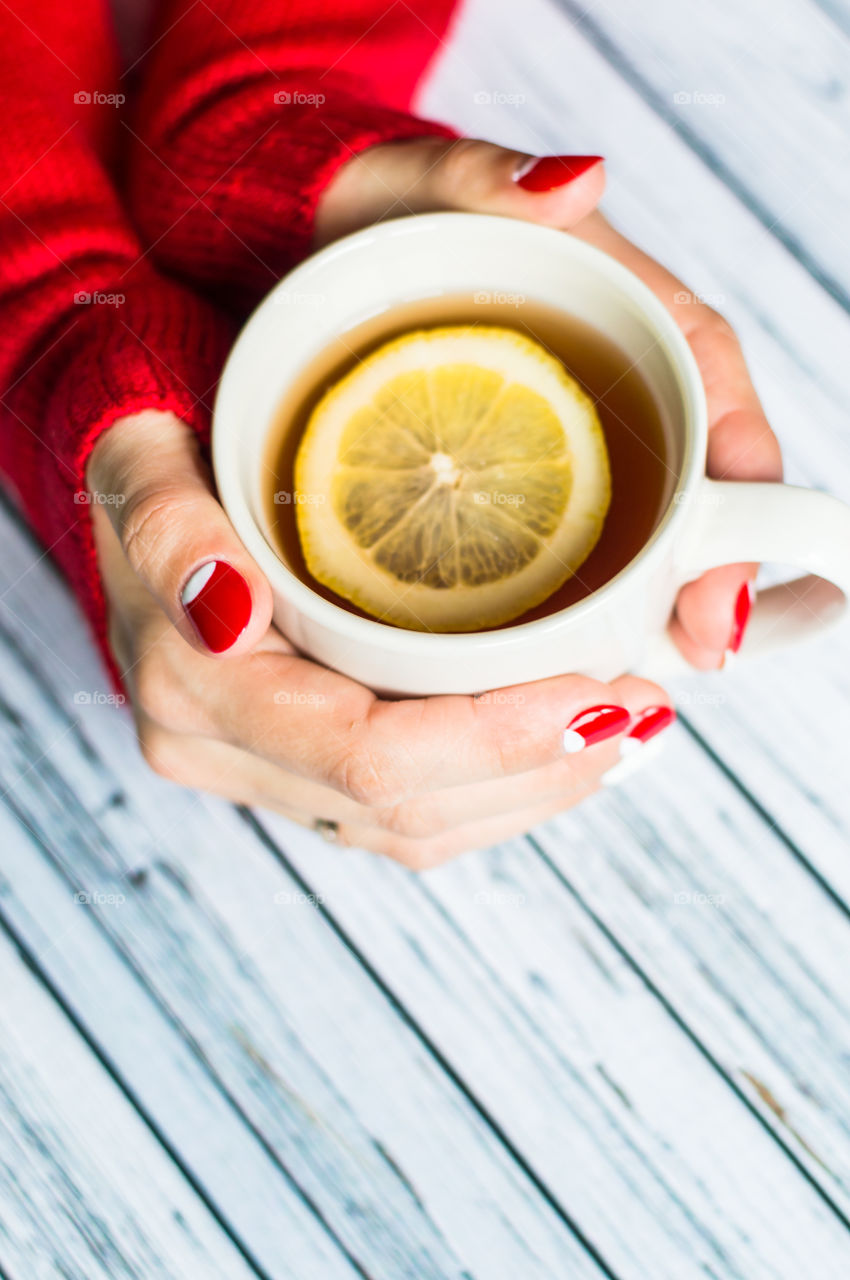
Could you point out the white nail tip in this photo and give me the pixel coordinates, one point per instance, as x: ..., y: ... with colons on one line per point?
x: 197, y: 582
x: 573, y: 742
x: 633, y: 759
x: 524, y: 167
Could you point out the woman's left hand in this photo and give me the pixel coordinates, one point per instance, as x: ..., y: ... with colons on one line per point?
x: 479, y: 177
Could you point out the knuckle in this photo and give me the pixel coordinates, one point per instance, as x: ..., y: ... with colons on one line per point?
x: 460, y: 167
x: 160, y: 752
x: 411, y: 820
x: 587, y: 692
x: 362, y: 778
x: 717, y: 327
x: 116, y: 638
x: 151, y: 691
x: 422, y: 855
x: 415, y: 855
x: 157, y: 694
x: 636, y: 692
x: 148, y: 528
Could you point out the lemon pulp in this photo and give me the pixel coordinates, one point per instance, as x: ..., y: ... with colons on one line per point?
x: 452, y: 480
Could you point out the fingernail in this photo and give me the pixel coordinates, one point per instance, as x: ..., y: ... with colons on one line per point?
x: 218, y: 603
x: 545, y: 173
x: 646, y: 725
x: 743, y: 605
x: 594, y: 725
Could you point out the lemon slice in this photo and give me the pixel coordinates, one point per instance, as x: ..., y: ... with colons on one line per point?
x: 452, y: 480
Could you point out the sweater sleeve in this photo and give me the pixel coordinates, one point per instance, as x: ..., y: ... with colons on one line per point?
x: 89, y: 331
x: 247, y: 110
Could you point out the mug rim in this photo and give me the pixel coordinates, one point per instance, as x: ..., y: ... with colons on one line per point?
x: 368, y: 630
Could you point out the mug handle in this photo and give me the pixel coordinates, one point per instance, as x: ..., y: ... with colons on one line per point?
x: 734, y: 520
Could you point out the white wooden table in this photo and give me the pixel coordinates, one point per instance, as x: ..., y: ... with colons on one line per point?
x: 619, y: 1047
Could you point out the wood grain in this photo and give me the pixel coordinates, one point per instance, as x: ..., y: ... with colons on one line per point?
x: 782, y: 722
x: 616, y: 1049
x: 645, y: 1142
x: 86, y: 1191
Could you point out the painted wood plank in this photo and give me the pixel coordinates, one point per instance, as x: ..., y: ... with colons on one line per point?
x: 838, y: 10
x: 627, y: 1120
x: 761, y: 91
x: 665, y: 197
x: 637, y: 1192
x: 86, y: 1190
x: 159, y: 1068
x: 399, y: 1162
x: 682, y: 1245
x: 737, y: 936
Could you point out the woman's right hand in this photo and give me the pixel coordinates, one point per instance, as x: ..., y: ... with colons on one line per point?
x: 222, y: 701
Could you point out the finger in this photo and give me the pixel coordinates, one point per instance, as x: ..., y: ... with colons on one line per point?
x: 175, y: 535
x: 712, y: 613
x: 701, y: 627
x: 206, y: 764
x: 321, y: 725
x: 436, y: 812
x: 468, y: 174
x: 195, y: 760
x: 421, y: 855
x: 220, y: 769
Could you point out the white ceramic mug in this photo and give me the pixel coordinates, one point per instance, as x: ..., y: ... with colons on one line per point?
x: 620, y: 627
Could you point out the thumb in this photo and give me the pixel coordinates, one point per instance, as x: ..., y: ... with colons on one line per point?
x: 477, y: 177
x: 148, y: 472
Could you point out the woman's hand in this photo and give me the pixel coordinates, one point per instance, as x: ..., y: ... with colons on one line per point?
x: 223, y: 703
x: 712, y: 612
x: 426, y: 174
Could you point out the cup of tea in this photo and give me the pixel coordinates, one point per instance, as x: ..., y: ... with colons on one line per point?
x: 666, y: 523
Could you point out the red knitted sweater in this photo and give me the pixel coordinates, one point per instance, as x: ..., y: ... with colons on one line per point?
x: 229, y: 128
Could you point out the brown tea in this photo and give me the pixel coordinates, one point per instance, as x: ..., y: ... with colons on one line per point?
x: 642, y: 478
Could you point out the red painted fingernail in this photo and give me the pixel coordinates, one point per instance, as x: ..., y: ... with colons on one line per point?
x: 218, y: 602
x: 743, y: 605
x: 594, y: 725
x: 545, y: 173
x: 648, y: 723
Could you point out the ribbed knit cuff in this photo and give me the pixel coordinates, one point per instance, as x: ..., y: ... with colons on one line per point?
x: 238, y: 225
x: 160, y: 347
